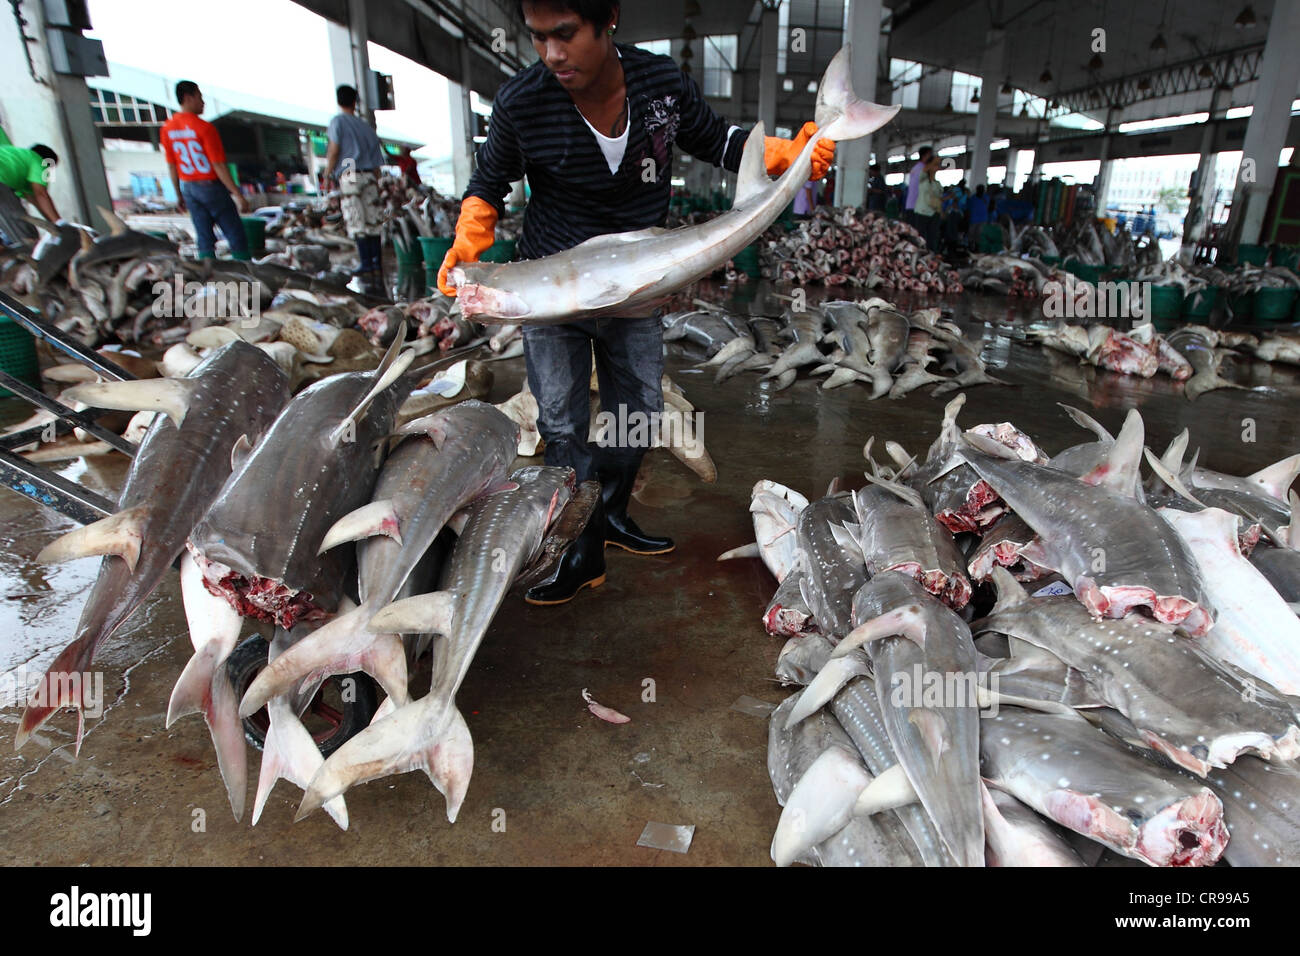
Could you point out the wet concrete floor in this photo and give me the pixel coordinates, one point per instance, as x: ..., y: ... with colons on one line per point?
x: 552, y: 784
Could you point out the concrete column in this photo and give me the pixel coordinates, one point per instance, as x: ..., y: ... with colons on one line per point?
x: 462, y: 137
x: 995, y: 50
x: 767, y: 78
x: 1279, y: 74
x: 351, y: 59
x: 1013, y: 167
x: 862, y: 29
x: 1101, y: 187
x: 39, y: 106
x: 466, y: 107
x: 1200, y: 192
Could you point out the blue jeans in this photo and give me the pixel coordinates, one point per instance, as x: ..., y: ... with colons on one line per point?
x: 629, y: 368
x: 211, y: 204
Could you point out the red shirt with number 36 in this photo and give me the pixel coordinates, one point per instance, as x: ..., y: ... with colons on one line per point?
x: 193, y: 146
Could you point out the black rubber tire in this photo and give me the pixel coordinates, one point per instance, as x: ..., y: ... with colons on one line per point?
x: 247, y: 661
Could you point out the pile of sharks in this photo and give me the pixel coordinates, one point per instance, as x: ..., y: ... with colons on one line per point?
x: 1191, y: 354
x: 1010, y: 658
x: 357, y: 532
x: 870, y: 341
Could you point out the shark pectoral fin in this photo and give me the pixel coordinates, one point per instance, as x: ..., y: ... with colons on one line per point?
x: 751, y: 179
x: 433, y: 612
x: 168, y: 395
x: 214, y: 630
x: 901, y: 622
x: 120, y: 534
x: 1010, y: 592
x: 290, y: 752
x: 1276, y: 479
x: 888, y: 791
x: 934, y: 732
x: 819, y: 805
x: 1172, y: 459
x: 834, y: 674
x: 1084, y: 420
x: 378, y: 517
x: 845, y: 540
x: 1170, y: 479
x: 116, y: 226
x: 239, y: 452
x: 744, y: 551
x: 987, y: 698
x: 391, y: 368
x: 1120, y: 468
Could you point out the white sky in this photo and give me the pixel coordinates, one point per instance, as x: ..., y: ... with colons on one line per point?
x: 272, y: 48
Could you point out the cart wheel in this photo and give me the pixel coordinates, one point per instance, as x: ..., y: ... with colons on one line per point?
x: 329, y: 719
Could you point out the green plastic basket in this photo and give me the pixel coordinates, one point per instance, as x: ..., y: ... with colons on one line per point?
x: 1288, y: 257
x: 746, y: 260
x: 1254, y: 255
x: 1166, y: 303
x: 1200, y: 304
x: 409, y: 257
x: 1274, y: 305
x: 1050, y: 260
x: 434, y: 250
x: 255, y: 233
x: 503, y: 250
x: 1242, y: 305
x: 18, y: 354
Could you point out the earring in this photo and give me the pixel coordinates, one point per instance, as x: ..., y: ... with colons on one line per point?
x: 611, y: 30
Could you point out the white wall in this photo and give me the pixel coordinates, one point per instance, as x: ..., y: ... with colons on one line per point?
x: 28, y: 109
x: 119, y: 164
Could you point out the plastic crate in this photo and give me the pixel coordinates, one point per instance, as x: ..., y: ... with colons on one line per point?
x: 1274, y: 305
x: 1200, y: 304
x: 1166, y: 303
x: 503, y: 250
x: 18, y: 354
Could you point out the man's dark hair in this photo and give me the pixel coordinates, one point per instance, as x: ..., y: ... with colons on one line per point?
x: 924, y: 153
x: 596, y: 12
x: 347, y: 96
x: 43, y: 151
x: 979, y: 190
x: 185, y: 88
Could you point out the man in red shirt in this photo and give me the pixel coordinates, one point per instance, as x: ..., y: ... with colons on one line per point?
x: 197, y: 161
x: 406, y: 163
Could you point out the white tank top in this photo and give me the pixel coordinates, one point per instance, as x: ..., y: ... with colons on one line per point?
x: 612, y: 148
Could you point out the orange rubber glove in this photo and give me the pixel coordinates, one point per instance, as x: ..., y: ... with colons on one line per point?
x: 475, y: 232
x: 778, y: 154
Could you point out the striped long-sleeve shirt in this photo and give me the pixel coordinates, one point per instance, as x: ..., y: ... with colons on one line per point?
x: 537, y: 130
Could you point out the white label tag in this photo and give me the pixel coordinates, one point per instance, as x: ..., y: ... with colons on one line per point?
x: 1053, y: 589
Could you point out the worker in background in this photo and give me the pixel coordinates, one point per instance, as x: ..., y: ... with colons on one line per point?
x: 914, y: 185
x: 977, y: 214
x: 877, y: 193
x: 406, y: 163
x: 592, y: 125
x: 25, y: 174
x: 353, y: 159
x: 204, y: 186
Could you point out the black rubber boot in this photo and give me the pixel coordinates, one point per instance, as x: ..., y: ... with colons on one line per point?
x: 617, y: 476
x: 583, y: 566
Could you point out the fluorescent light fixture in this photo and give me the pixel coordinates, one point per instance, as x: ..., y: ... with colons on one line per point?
x: 1164, y: 122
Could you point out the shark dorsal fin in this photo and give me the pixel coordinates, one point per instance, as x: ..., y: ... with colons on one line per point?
x: 1120, y: 469
x: 751, y: 180
x: 1276, y: 479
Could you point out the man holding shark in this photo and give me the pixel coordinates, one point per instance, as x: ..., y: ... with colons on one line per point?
x: 592, y: 125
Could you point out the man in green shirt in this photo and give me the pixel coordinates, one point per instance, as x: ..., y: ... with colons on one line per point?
x: 25, y: 174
